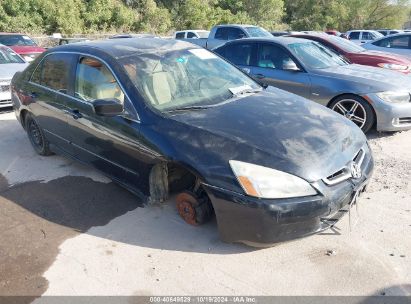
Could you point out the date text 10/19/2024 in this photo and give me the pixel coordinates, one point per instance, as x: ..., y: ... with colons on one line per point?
x: 203, y: 299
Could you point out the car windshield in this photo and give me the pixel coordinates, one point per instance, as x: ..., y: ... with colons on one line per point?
x: 11, y: 40
x: 255, y: 31
x: 8, y: 56
x: 315, y: 56
x: 185, y: 78
x: 204, y: 34
x: 346, y: 45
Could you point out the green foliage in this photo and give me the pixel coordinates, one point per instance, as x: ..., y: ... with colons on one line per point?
x: 345, y: 14
x: 163, y: 16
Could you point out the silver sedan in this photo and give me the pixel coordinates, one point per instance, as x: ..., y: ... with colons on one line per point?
x: 368, y: 96
x: 397, y: 44
x: 10, y: 63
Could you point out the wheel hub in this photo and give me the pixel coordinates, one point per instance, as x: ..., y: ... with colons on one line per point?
x: 186, y: 209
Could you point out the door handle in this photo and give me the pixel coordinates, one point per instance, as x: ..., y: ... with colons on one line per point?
x: 73, y: 113
x: 76, y: 114
x: 259, y: 76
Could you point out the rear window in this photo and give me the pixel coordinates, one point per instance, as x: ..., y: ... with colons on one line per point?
x: 256, y: 31
x: 354, y: 36
x: 180, y: 35
x: 12, y: 40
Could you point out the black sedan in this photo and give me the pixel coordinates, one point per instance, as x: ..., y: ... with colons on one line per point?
x: 164, y: 116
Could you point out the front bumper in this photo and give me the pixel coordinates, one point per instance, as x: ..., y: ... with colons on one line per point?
x: 391, y: 116
x: 263, y: 222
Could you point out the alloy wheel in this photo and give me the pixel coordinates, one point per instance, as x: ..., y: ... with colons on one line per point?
x: 352, y: 110
x: 35, y: 134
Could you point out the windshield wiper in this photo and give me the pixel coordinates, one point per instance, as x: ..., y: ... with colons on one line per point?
x: 188, y: 108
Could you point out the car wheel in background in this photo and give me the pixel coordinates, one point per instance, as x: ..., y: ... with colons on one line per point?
x: 356, y: 109
x: 36, y: 136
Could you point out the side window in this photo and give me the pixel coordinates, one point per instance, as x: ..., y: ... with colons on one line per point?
x: 235, y: 33
x: 239, y: 54
x: 366, y: 36
x: 180, y: 35
x: 399, y: 42
x: 54, y: 72
x: 274, y: 57
x: 95, y: 81
x: 221, y: 33
x: 394, y: 42
x: 191, y: 35
x: 354, y: 36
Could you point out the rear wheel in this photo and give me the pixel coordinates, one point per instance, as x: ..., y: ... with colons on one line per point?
x: 355, y: 109
x: 193, y: 209
x: 36, y: 136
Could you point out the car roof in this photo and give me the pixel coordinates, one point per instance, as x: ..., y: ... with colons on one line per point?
x: 280, y: 40
x: 237, y: 25
x: 126, y: 46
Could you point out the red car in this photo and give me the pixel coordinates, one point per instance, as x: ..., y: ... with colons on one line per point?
x: 357, y: 54
x: 22, y: 45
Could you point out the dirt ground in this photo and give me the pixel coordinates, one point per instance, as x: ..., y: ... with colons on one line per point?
x: 67, y: 230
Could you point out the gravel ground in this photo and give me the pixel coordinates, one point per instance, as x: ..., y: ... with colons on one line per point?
x: 67, y: 230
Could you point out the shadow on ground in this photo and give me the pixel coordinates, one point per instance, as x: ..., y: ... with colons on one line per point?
x: 36, y: 218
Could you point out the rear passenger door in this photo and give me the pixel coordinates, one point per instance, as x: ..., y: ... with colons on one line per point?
x: 272, y: 68
x: 240, y: 54
x: 47, y: 89
x: 355, y: 37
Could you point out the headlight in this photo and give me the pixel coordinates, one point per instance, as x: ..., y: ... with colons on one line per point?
x: 269, y: 183
x: 395, y: 97
x: 395, y: 67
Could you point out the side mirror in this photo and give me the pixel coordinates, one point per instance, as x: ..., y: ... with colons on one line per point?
x: 108, y: 107
x: 290, y: 65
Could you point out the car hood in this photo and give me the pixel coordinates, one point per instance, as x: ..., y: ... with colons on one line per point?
x: 367, y: 79
x: 380, y: 57
x: 274, y: 129
x: 26, y: 49
x: 8, y: 70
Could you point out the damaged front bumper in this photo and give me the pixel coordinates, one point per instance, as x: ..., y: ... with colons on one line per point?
x: 263, y: 222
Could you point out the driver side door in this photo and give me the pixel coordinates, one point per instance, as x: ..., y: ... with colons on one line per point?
x: 111, y: 144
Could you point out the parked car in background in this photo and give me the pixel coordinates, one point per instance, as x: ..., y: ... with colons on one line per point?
x: 220, y: 34
x: 162, y: 116
x: 387, y: 32
x: 22, y: 45
x: 359, y: 55
x: 361, y: 36
x: 366, y: 95
x: 333, y: 33
x: 120, y: 36
x: 63, y: 41
x: 10, y: 63
x: 191, y: 34
x: 279, y: 33
x: 397, y: 44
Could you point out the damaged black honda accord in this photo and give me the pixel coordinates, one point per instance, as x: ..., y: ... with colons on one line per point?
x: 164, y: 116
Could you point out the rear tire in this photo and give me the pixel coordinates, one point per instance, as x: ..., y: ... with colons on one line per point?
x: 356, y: 109
x: 36, y: 136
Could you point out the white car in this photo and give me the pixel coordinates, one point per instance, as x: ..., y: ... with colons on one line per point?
x: 10, y: 63
x: 363, y: 36
x: 191, y: 34
x: 398, y: 44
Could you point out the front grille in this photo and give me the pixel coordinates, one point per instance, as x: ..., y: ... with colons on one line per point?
x: 4, y: 88
x: 345, y: 173
x: 405, y: 120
